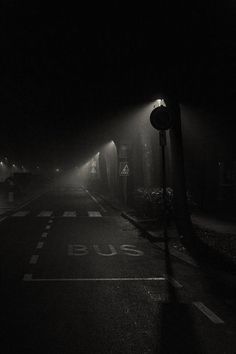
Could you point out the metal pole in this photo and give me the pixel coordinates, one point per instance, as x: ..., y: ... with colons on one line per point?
x: 125, y: 189
x: 162, y: 136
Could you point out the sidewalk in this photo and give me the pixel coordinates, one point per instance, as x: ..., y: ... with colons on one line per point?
x: 214, y: 224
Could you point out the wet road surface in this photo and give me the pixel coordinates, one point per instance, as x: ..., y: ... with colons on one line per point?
x: 78, y: 278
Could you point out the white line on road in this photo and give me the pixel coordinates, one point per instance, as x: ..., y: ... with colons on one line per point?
x: 48, y: 227
x: 174, y: 282
x: 39, y: 245
x: 71, y: 214
x: 34, y: 259
x: 96, y: 201
x: 95, y: 279
x: 23, y: 205
x: 27, y: 277
x: 207, y: 312
x: 50, y: 221
x: 21, y: 213
x: 45, y: 213
x: 94, y: 214
x: 44, y: 234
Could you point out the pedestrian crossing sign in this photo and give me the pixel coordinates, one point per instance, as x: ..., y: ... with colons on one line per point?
x: 124, y: 169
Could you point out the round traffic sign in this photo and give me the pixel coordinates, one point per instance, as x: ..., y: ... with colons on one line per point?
x: 160, y: 118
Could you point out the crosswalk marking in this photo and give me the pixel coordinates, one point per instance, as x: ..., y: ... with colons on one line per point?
x: 49, y: 214
x: 69, y: 214
x: 94, y: 214
x: 45, y: 213
x: 21, y: 213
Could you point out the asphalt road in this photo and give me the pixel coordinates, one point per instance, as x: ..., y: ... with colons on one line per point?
x: 78, y: 278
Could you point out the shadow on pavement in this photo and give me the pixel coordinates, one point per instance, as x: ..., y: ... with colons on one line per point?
x: 178, y: 334
x: 218, y: 273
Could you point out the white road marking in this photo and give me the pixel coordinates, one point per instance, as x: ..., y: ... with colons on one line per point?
x: 39, y: 245
x: 50, y: 221
x: 103, y: 250
x: 27, y: 277
x: 96, y: 201
x: 44, y: 234
x: 95, y: 279
x: 34, y: 259
x: 94, y: 214
x: 48, y: 227
x: 174, y: 282
x: 21, y: 213
x: 23, y: 205
x: 69, y: 214
x: 207, y: 312
x: 45, y: 213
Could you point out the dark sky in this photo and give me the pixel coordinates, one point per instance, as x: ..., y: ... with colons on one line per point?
x: 66, y: 70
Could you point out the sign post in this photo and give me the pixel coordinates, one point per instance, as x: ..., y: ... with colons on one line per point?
x: 124, y: 173
x: 124, y: 170
x: 162, y: 121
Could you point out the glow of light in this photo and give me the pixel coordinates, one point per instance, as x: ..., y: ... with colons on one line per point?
x: 1, y: 163
x: 14, y: 165
x: 57, y: 170
x: 37, y: 167
x: 160, y: 102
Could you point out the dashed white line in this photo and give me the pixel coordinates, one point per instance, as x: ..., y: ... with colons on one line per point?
x: 40, y: 245
x: 50, y: 221
x: 21, y: 213
x: 45, y: 213
x: 27, y: 277
x: 94, y: 214
x: 44, y: 234
x: 207, y: 312
x: 69, y: 214
x: 48, y: 227
x: 34, y: 259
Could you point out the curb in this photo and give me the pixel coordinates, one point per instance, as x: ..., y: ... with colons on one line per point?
x: 152, y: 236
x: 226, y: 278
